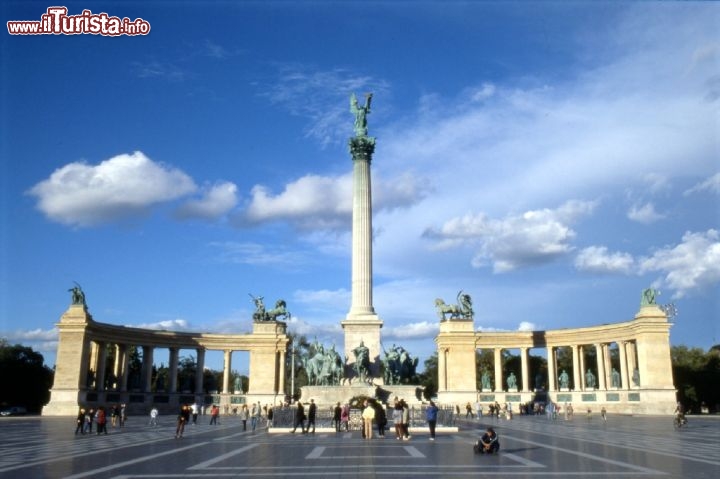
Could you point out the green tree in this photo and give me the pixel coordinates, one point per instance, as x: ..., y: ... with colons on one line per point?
x: 25, y: 378
x: 429, y: 377
x: 696, y: 375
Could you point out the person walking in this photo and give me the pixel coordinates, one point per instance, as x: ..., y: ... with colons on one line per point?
x: 101, y: 420
x: 270, y: 415
x: 345, y: 416
x: 299, y: 418
x: 431, y: 414
x: 397, y: 419
x: 337, y: 416
x: 89, y: 418
x: 405, y: 420
x: 195, y: 408
x: 244, y: 415
x: 123, y: 415
x: 153, y: 417
x: 214, y: 414
x: 182, y: 419
x: 380, y: 419
x: 312, y: 412
x: 368, y: 415
x: 80, y: 422
x: 255, y: 415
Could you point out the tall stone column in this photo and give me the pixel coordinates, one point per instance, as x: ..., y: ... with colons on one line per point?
x: 101, y: 366
x: 498, y: 369
x: 199, y: 370
x: 361, y: 323
x: 281, y: 379
x: 442, y: 371
x: 524, y: 369
x: 147, y: 365
x: 600, y: 360
x: 226, y: 372
x: 623, y: 366
x: 125, y: 368
x: 552, y: 369
x: 173, y: 370
x: 576, y: 367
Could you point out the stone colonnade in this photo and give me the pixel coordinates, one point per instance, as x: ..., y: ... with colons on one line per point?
x: 634, y: 376
x: 84, y: 377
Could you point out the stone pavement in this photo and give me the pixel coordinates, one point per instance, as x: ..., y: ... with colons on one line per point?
x: 621, y: 447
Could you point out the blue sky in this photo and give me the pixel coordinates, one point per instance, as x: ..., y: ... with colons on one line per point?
x: 549, y: 159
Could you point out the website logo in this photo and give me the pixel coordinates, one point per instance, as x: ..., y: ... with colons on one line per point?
x: 57, y: 22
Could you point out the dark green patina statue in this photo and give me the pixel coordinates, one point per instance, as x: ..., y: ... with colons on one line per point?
x: 261, y: 314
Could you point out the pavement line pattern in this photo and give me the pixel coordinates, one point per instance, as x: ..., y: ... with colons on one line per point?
x: 522, y: 460
x: 215, y: 460
x: 133, y: 461
x: 589, y: 456
x: 414, y: 452
x: 316, y: 453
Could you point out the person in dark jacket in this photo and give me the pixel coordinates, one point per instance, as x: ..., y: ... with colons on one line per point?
x: 488, y: 443
x: 312, y: 412
x: 299, y: 418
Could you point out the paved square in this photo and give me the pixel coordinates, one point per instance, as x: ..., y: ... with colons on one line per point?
x: 621, y: 447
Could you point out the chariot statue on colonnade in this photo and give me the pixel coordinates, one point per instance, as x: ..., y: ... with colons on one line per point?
x: 261, y: 314
x: 462, y: 310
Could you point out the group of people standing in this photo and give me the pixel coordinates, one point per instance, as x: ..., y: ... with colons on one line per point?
x: 87, y: 417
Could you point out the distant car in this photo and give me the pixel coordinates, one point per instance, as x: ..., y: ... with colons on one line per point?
x: 13, y: 411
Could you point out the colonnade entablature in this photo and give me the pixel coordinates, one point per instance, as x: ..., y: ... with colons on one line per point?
x: 93, y: 365
x: 624, y: 366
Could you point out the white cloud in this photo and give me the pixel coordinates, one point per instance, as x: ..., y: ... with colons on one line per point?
x: 257, y: 254
x: 423, y: 329
x: 122, y: 186
x: 523, y: 326
x: 645, y: 214
x: 325, y: 202
x: 536, y: 236
x: 527, y: 326
x: 694, y: 264
x: 44, y: 341
x: 711, y: 185
x: 216, y: 201
x: 166, y: 325
x: 596, y: 259
x: 323, y: 299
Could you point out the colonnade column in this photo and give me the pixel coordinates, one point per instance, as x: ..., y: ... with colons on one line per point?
x: 581, y: 350
x: 125, y: 367
x: 101, y: 366
x: 94, y: 346
x: 227, y: 364
x: 498, y: 369
x: 631, y: 361
x: 173, y: 370
x: 625, y: 384
x: 442, y: 371
x: 147, y: 365
x: 608, y: 365
x: 552, y: 379
x: 281, y: 379
x: 600, y: 360
x: 199, y: 370
x: 117, y: 366
x: 576, y: 367
x: 524, y: 368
